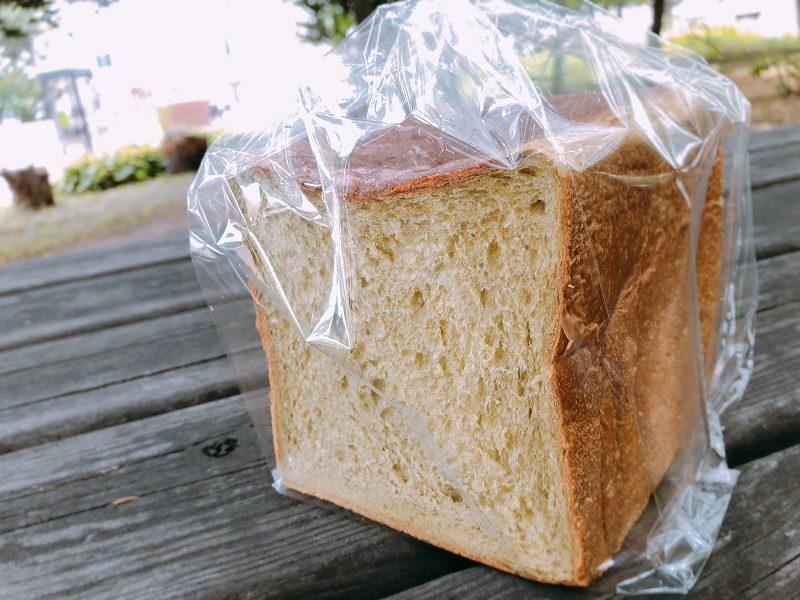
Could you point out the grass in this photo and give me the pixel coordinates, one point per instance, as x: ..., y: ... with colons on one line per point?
x: 139, y: 209
x: 86, y: 218
x: 735, y: 55
x: 724, y: 44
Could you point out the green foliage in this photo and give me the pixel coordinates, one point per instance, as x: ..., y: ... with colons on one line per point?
x: 726, y: 44
x: 19, y: 95
x: 329, y: 21
x: 785, y: 66
x: 556, y: 73
x: 332, y: 19
x: 19, y: 20
x: 127, y: 165
x: 607, y: 4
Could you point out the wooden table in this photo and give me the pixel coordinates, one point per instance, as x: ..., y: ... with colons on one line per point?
x: 130, y: 466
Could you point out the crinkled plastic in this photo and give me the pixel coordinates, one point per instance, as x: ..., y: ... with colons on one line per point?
x: 457, y: 86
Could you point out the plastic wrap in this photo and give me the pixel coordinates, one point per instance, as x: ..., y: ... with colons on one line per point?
x: 645, y: 146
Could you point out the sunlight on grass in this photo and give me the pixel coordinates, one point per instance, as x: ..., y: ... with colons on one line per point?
x: 78, y: 219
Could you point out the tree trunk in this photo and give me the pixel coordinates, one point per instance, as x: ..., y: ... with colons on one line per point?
x: 797, y: 14
x: 183, y: 152
x: 362, y: 9
x: 658, y: 15
x: 30, y: 187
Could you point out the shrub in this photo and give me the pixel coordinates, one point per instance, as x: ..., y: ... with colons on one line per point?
x: 127, y: 165
x: 787, y: 69
x: 726, y: 44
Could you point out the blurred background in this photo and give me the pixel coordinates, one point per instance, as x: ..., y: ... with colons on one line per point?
x: 107, y: 106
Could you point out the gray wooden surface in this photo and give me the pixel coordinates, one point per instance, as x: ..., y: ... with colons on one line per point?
x: 114, y: 385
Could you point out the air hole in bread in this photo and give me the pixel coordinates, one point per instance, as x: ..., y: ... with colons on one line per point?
x: 522, y: 375
x: 400, y: 473
x: 453, y: 494
x: 493, y: 253
x: 537, y: 206
x: 498, y: 353
x: 382, y: 246
x: 416, y: 299
x: 443, y: 365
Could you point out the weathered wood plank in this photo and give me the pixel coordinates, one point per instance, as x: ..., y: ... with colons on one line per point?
x: 774, y: 136
x: 759, y: 543
x: 778, y: 280
x: 757, y: 553
x: 200, y: 526
x: 63, y: 416
x: 143, y: 349
x: 111, y: 339
x: 70, y: 308
x: 79, y: 372
x: 37, y: 272
x: 776, y: 219
x: 775, y: 164
x: 768, y: 417
x: 123, y: 373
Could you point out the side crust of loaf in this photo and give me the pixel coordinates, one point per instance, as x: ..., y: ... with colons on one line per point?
x: 607, y: 406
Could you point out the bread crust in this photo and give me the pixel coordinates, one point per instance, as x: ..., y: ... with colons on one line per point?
x: 608, y: 473
x: 613, y: 456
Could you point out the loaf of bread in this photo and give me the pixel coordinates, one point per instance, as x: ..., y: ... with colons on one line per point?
x: 524, y: 367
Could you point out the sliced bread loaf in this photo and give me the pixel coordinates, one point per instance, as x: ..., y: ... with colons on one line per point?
x: 523, y: 370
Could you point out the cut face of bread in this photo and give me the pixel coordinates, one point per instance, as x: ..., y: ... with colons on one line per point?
x: 522, y: 373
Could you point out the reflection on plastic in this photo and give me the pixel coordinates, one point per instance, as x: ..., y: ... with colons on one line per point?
x: 423, y: 90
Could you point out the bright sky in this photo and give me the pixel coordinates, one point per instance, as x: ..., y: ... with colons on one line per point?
x: 176, y: 48
x: 176, y: 51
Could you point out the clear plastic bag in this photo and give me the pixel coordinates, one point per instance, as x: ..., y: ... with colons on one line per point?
x: 503, y: 266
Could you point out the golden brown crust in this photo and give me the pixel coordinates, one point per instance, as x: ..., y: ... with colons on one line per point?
x: 412, y: 156
x: 623, y: 370
x: 274, y: 389
x: 709, y: 263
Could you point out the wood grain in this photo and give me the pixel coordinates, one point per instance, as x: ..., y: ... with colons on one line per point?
x: 774, y: 164
x: 776, y: 219
x: 768, y: 417
x: 91, y: 344
x: 123, y: 373
x: 25, y: 275
x: 774, y: 137
x: 70, y: 308
x: 200, y: 526
x: 757, y: 554
x: 778, y: 280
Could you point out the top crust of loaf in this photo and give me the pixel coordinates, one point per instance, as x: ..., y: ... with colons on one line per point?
x: 412, y: 156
